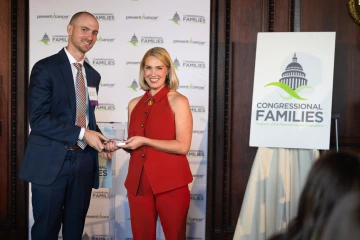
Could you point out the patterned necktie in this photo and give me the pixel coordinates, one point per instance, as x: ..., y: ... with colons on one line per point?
x: 80, y: 101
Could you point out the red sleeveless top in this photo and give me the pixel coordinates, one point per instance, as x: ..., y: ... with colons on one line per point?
x: 152, y: 117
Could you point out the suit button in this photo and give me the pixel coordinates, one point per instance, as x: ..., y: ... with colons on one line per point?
x: 146, y: 112
x: 142, y: 125
x: 143, y: 156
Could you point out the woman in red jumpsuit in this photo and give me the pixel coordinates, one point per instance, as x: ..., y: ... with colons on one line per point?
x: 160, y: 129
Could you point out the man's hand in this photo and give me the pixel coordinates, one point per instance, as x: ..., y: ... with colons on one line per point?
x: 107, y: 155
x: 94, y: 139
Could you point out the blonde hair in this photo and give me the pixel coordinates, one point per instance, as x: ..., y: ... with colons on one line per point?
x: 172, y: 81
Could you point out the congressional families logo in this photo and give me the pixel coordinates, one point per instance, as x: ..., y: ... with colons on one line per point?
x: 105, y: 40
x: 187, y: 18
x: 103, y: 62
x: 300, y: 113
x: 152, y: 40
x: 53, y: 16
x: 45, y: 39
x: 134, y: 40
x: 142, y: 17
x: 100, y: 237
x: 59, y: 38
x: 100, y: 216
x: 103, y: 171
x: 100, y: 195
x: 194, y: 19
x: 105, y: 107
x: 85, y: 236
x: 146, y: 40
x: 197, y: 197
x: 197, y: 109
x: 176, y: 19
x: 190, y: 41
x: 104, y: 16
x: 134, y: 86
x: 196, y: 153
x: 176, y: 64
x: 87, y: 60
x: 189, y: 64
x: 293, y: 81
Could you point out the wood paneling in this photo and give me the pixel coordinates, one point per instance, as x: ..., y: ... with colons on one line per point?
x: 5, y: 106
x: 13, y: 85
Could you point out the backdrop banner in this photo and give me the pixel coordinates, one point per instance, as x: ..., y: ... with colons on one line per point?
x: 127, y: 30
x: 292, y: 94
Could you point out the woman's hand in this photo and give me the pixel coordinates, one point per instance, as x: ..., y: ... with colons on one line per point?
x: 134, y: 142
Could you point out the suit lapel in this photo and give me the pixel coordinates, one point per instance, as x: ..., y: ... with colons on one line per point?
x: 69, y: 81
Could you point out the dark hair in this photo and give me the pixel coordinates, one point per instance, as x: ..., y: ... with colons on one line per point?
x: 330, y: 178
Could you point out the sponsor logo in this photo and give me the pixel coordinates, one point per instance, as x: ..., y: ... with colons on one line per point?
x: 53, y: 16
x: 106, y: 107
x: 59, y: 38
x: 103, y: 62
x: 197, y: 197
x: 134, y: 86
x: 100, y: 237
x: 152, y: 40
x: 104, y: 16
x: 198, y: 132
x: 134, y: 40
x: 108, y: 85
x: 289, y: 87
x: 146, y: 40
x: 100, y: 216
x: 188, y: 19
x: 196, y: 153
x: 103, y: 171
x: 176, y: 19
x: 105, y: 40
x: 85, y: 236
x: 193, y: 64
x: 45, y: 40
x: 197, y: 109
x: 100, y: 195
x: 198, y: 176
x: 192, y: 87
x: 192, y: 219
x: 194, y: 19
x: 132, y: 63
x: 191, y: 41
x: 142, y: 17
x: 176, y: 64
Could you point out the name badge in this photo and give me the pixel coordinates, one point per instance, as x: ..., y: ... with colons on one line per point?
x: 93, y: 96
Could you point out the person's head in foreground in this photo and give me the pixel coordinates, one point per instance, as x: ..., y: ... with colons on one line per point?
x: 331, y: 178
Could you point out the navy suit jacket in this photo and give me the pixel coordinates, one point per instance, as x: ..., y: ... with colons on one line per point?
x: 52, y: 114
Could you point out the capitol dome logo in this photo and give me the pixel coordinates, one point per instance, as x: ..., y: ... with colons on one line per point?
x: 45, y: 40
x: 293, y: 81
x: 134, y: 40
x: 176, y: 19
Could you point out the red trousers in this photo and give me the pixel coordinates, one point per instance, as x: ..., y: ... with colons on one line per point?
x: 171, y: 207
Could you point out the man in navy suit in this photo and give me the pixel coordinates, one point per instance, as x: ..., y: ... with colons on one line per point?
x: 61, y: 157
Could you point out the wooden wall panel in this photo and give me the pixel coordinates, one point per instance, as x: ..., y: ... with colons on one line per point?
x: 322, y: 15
x: 5, y: 104
x: 13, y: 85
